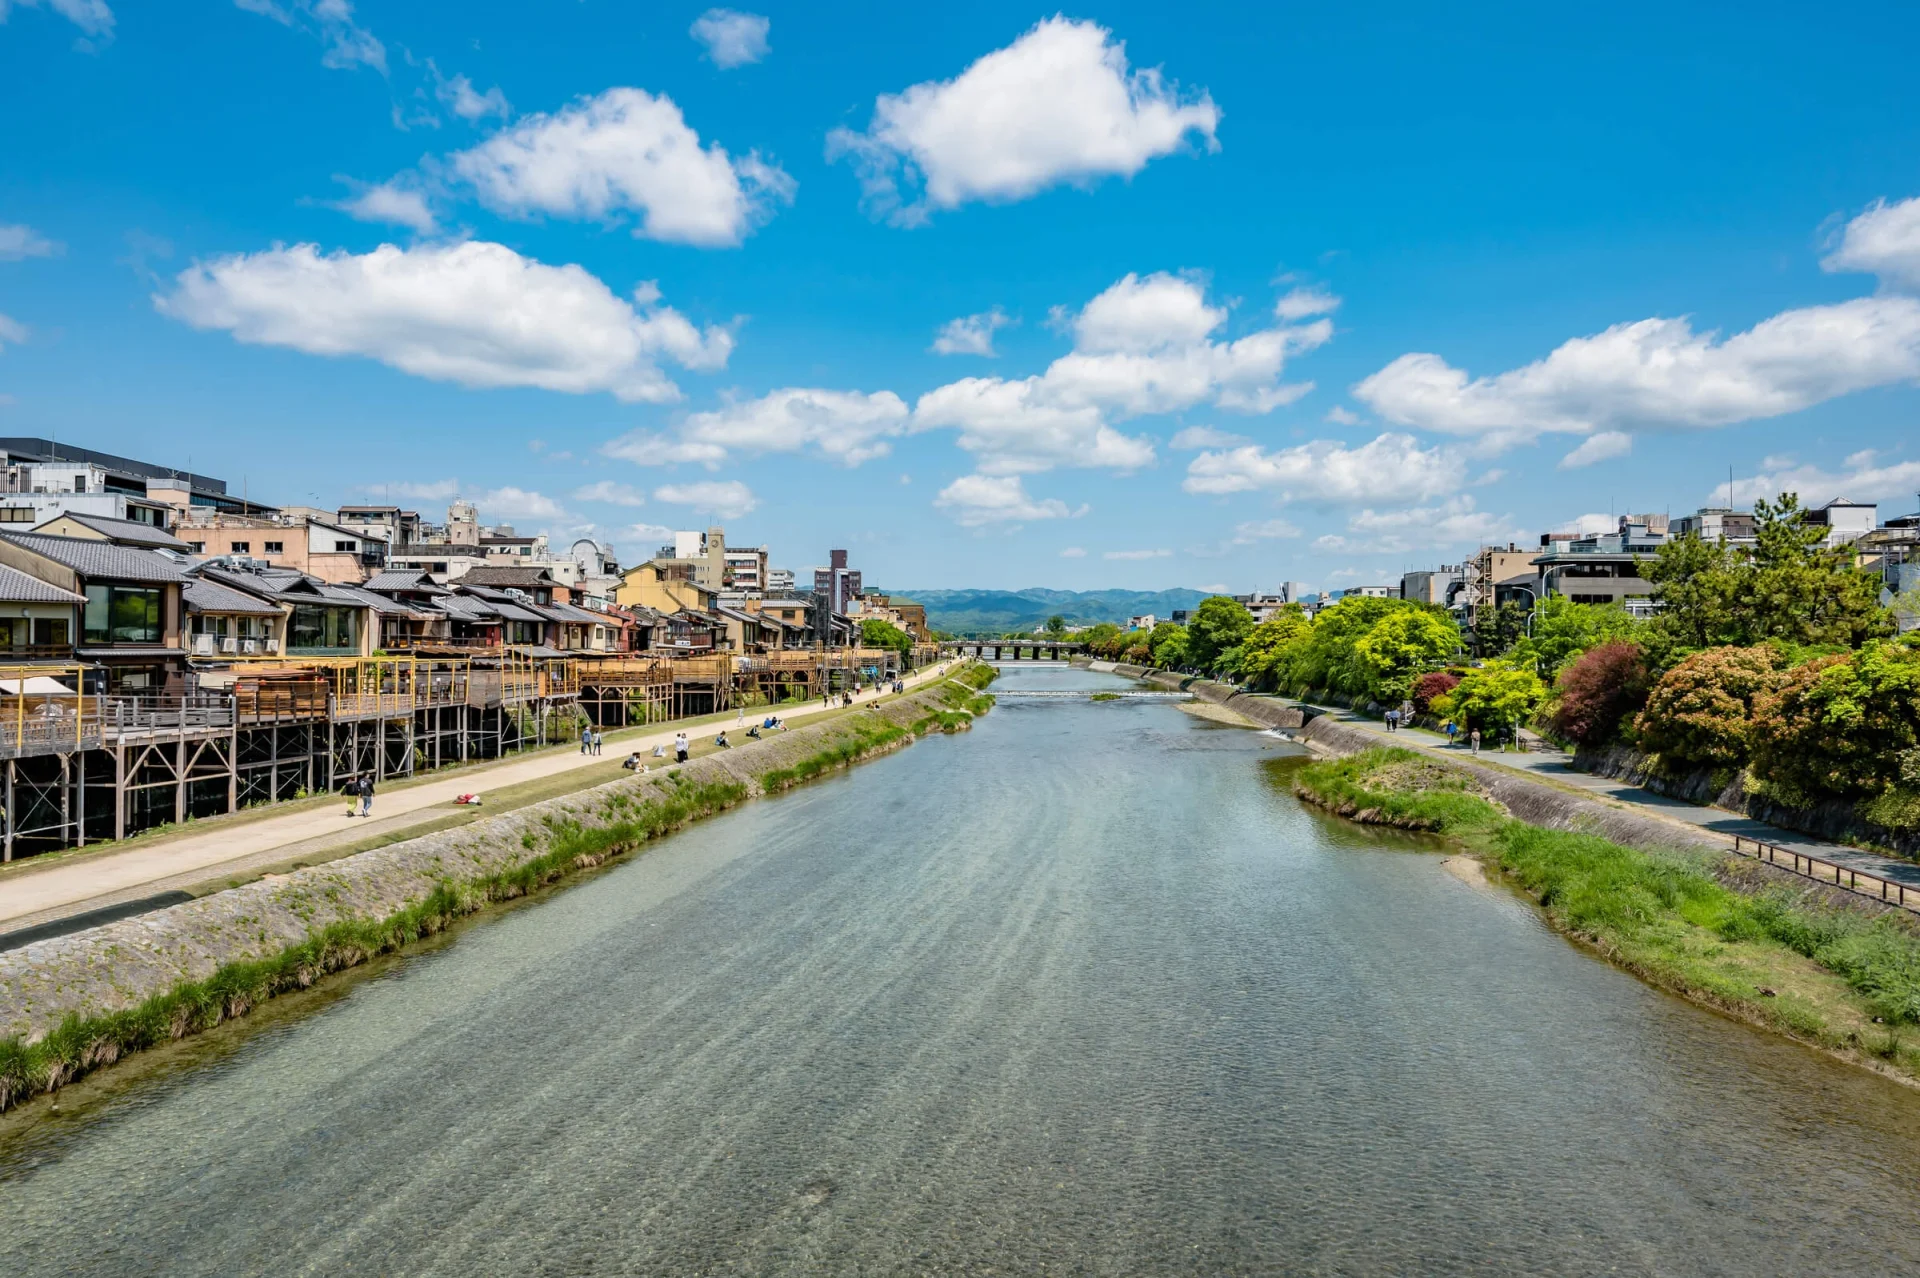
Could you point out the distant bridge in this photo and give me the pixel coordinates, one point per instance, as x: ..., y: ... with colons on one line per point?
x: 1013, y: 649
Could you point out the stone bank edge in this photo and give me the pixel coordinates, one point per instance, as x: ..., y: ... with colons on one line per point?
x: 71, y: 1004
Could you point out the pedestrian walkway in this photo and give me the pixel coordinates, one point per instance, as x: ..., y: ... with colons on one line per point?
x: 89, y: 881
x: 1558, y: 765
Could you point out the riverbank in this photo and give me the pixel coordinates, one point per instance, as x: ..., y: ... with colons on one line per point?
x: 1824, y: 967
x: 76, y: 1003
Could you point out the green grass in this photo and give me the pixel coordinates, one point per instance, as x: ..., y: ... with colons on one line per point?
x: 1104, y: 696
x: 1668, y: 915
x: 82, y: 1044
x: 860, y: 742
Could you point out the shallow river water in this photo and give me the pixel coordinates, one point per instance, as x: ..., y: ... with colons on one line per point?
x: 1084, y: 991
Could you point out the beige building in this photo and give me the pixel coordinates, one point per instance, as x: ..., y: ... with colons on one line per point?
x: 327, y: 551
x: 666, y: 586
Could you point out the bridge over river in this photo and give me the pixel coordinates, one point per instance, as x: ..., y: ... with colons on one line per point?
x: 1014, y: 649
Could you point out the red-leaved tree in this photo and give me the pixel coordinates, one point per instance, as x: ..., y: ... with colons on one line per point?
x: 1596, y: 692
x: 1429, y: 686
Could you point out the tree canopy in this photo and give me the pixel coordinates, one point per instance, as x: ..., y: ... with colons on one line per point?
x: 1216, y: 626
x: 875, y: 633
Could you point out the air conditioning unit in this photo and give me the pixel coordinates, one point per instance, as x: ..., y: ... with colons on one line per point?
x: 229, y: 646
x: 249, y: 647
x: 203, y: 645
x: 273, y: 646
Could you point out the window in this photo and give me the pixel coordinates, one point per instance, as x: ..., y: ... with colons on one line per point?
x: 17, y: 515
x: 240, y: 548
x: 315, y: 626
x: 122, y: 614
x: 273, y: 547
x: 50, y: 632
x: 79, y: 483
x: 197, y: 547
x: 347, y: 546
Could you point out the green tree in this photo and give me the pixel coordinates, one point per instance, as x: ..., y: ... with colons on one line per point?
x: 1169, y: 646
x: 1267, y: 646
x: 1219, y: 623
x: 1325, y: 658
x: 1840, y: 725
x: 1100, y: 637
x: 1562, y: 630
x: 1702, y: 710
x: 1495, y: 697
x: 1496, y: 630
x: 875, y: 633
x: 1056, y: 624
x: 1402, y: 646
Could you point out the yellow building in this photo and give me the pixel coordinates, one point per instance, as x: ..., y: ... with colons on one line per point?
x: 666, y: 587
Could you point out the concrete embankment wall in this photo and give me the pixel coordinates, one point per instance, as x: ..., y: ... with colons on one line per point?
x: 1264, y: 711
x: 121, y: 965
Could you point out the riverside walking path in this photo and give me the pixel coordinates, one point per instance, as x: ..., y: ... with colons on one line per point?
x: 112, y: 880
x: 1558, y: 765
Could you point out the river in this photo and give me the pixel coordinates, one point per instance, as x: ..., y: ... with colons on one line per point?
x: 1084, y: 990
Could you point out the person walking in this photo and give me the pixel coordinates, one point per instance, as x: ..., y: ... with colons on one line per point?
x: 1474, y: 740
x: 680, y: 748
x: 1393, y: 720
x: 1453, y: 730
x: 586, y: 738
x: 596, y: 740
x: 366, y: 794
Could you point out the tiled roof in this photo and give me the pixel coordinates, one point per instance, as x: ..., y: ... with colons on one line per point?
x: 209, y: 596
x: 126, y: 531
x: 20, y: 587
x: 404, y: 579
x: 100, y: 560
x: 522, y: 577
x: 467, y: 608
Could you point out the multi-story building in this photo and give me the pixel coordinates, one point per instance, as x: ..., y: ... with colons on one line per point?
x: 1602, y: 568
x: 40, y: 479
x: 1844, y: 520
x: 1433, y: 585
x: 745, y: 571
x: 839, y: 583
x: 779, y: 583
x: 330, y: 552
x: 1145, y: 621
x: 1715, y: 523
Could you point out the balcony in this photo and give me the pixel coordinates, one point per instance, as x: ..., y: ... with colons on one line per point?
x: 36, y: 652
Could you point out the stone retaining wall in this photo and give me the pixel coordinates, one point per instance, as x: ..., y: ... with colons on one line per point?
x: 121, y: 965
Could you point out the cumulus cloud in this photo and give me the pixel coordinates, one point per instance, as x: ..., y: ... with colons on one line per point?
x: 1145, y: 345
x: 649, y: 448
x: 726, y: 499
x: 392, y: 203
x: 91, y: 16
x: 1058, y: 105
x: 345, y: 44
x: 848, y: 427
x: 1206, y: 437
x: 1301, y: 302
x: 510, y: 503
x: 1259, y: 530
x: 1587, y: 525
x: 17, y: 242
x: 1136, y: 554
x: 1883, y: 241
x: 11, y: 330
x: 1396, y: 532
x: 733, y: 39
x: 1389, y: 467
x: 1864, y: 476
x: 608, y: 491
x: 625, y: 152
x: 458, y: 95
x: 649, y: 535
x: 1342, y: 417
x: 976, y: 500
x: 1606, y: 445
x: 970, y: 334
x: 477, y: 314
x: 1074, y: 552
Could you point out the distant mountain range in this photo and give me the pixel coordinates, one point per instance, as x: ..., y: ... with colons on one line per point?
x: 972, y: 612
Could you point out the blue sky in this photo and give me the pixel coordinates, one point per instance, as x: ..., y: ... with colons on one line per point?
x: 1229, y: 297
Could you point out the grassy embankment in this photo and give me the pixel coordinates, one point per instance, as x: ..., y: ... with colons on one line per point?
x: 81, y: 1045
x: 1704, y: 925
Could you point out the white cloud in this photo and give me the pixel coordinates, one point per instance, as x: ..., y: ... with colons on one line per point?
x: 974, y: 500
x: 392, y: 203
x: 474, y: 313
x: 1255, y: 531
x: 970, y: 334
x: 1397, y: 532
x: 1302, y: 302
x: 460, y: 97
x: 1342, y: 417
x: 1389, y: 467
x: 625, y: 151
x: 649, y: 535
x: 345, y: 43
x: 1606, y: 445
x: 1074, y: 552
x: 1142, y: 346
x: 1659, y: 372
x: 1864, y: 477
x: 1587, y: 525
x: 511, y: 503
x: 1206, y: 437
x: 848, y: 427
x: 1058, y: 105
x: 608, y: 491
x: 732, y: 38
x: 91, y: 16
x: 17, y: 242
x: 1883, y: 241
x: 727, y: 499
x: 1136, y: 554
x: 11, y: 330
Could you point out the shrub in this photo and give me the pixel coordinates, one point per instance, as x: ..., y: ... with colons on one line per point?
x: 1496, y: 695
x: 1596, y: 692
x: 1839, y: 725
x: 1429, y: 688
x: 1396, y: 649
x: 1702, y: 710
